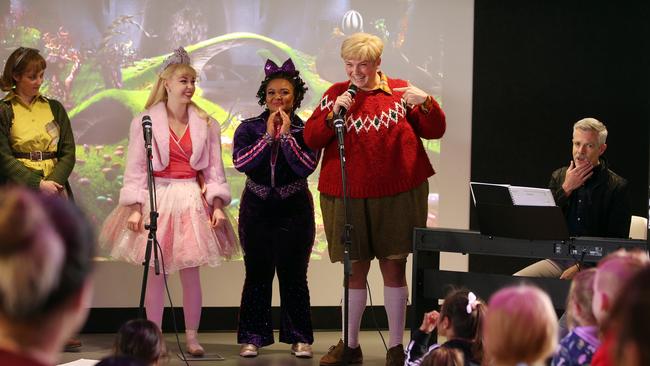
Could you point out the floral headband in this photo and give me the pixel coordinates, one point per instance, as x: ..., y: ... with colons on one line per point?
x: 179, y: 56
x: 272, y: 68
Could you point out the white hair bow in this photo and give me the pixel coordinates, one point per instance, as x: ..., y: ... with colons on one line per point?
x: 471, y: 302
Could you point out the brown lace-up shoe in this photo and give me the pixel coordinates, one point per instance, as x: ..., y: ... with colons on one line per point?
x: 72, y: 344
x: 395, y: 356
x: 334, y: 356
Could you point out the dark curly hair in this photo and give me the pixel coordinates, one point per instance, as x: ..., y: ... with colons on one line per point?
x: 465, y: 325
x: 299, y: 87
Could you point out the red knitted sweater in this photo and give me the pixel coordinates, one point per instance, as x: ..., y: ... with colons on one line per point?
x: 383, y: 151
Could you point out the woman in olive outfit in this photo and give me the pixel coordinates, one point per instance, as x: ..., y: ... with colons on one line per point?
x: 37, y: 147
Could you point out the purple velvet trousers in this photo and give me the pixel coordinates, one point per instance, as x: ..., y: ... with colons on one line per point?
x: 277, y: 235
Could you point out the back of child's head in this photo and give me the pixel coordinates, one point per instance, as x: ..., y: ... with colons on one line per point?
x: 630, y: 319
x: 465, y: 313
x: 142, y: 340
x: 444, y: 356
x: 612, y: 274
x: 520, y: 326
x: 120, y: 361
x: 581, y: 295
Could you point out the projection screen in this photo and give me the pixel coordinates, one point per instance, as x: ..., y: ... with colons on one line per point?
x: 103, y: 57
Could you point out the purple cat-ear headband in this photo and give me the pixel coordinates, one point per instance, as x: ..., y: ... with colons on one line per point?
x: 271, y: 68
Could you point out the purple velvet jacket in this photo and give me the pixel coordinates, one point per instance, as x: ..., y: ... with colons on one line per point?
x: 252, y: 153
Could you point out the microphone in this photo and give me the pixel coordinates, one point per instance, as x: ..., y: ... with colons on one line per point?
x: 146, y: 127
x: 339, y: 121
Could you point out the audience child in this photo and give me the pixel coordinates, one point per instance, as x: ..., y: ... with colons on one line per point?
x: 520, y: 327
x: 142, y: 340
x: 120, y: 361
x: 444, y: 356
x: 46, y: 260
x: 579, y: 346
x: 459, y: 321
x: 612, y: 273
x: 631, y: 318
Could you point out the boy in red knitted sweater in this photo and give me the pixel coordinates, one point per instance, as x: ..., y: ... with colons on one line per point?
x: 387, y: 179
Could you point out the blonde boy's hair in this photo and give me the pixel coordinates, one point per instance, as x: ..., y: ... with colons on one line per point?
x: 362, y: 46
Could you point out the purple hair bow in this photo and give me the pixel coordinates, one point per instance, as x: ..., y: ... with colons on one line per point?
x: 271, y: 68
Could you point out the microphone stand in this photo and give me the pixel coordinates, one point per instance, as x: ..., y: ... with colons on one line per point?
x: 339, y: 126
x: 152, y: 242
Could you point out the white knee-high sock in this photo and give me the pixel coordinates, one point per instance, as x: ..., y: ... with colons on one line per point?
x: 395, y: 299
x: 357, y: 299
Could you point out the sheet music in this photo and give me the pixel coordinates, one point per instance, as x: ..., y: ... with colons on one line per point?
x: 520, y: 196
x: 530, y: 196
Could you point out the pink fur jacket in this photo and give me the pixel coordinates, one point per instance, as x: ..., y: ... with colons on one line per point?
x: 206, y: 155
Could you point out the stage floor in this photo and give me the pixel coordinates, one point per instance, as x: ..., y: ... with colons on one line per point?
x: 97, y: 346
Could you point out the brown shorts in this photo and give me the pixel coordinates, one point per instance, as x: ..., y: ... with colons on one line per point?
x: 382, y: 227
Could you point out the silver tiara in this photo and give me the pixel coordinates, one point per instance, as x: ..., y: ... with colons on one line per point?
x: 179, y: 56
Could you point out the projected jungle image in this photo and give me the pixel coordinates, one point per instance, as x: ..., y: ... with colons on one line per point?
x: 103, y: 56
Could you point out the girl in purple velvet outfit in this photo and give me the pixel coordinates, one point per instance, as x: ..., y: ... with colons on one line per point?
x: 276, y: 215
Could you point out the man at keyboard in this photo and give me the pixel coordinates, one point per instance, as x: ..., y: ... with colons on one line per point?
x: 593, y: 198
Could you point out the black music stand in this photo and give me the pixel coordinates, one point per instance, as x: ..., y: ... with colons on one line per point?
x: 498, y: 215
x: 522, y: 222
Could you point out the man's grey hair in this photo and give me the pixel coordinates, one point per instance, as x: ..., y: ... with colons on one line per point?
x: 592, y: 124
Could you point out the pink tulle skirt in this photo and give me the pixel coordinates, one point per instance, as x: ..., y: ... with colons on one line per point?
x: 184, y: 232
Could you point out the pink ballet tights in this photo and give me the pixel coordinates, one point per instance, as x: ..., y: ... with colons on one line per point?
x: 192, y: 301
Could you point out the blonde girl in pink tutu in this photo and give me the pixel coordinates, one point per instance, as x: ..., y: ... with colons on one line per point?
x: 191, y: 188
